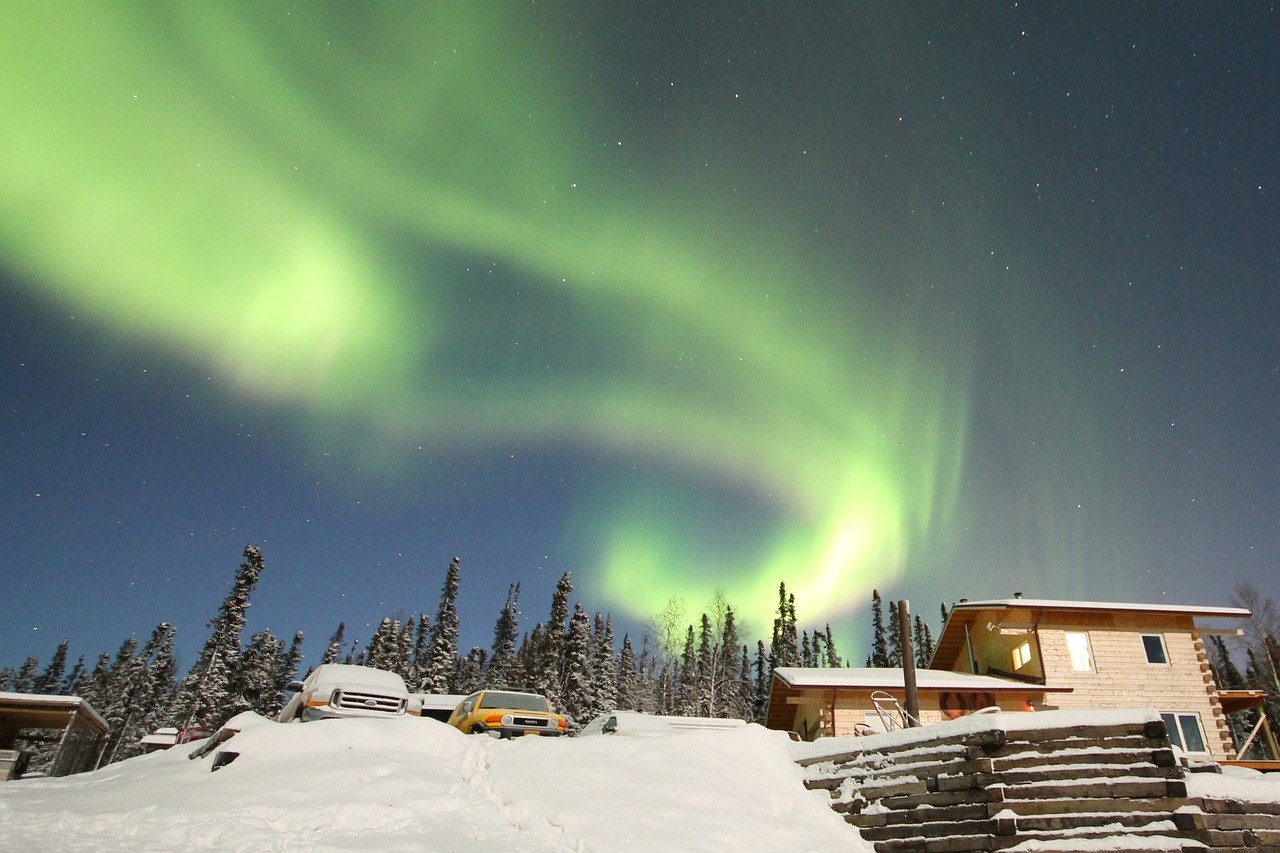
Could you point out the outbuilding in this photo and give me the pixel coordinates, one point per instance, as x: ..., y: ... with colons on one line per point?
x: 79, y: 731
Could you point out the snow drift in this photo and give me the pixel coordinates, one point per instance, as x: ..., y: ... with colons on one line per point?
x: 416, y: 784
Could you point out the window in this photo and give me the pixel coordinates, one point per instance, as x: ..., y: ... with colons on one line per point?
x: 1078, y: 649
x: 1156, y: 652
x: 1185, y: 732
x: 1022, y: 655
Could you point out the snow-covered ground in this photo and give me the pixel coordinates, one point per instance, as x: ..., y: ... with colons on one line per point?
x: 416, y: 784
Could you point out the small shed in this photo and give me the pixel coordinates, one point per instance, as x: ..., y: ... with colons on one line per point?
x: 79, y: 731
x: 818, y: 702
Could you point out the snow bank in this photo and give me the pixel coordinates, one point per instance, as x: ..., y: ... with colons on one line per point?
x: 416, y: 784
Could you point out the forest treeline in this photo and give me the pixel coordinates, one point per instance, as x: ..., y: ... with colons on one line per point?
x: 708, y: 667
x: 572, y: 657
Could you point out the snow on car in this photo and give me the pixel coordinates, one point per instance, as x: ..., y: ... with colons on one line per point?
x: 342, y: 690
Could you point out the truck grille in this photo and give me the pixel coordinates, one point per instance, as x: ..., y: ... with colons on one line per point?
x: 353, y: 701
x: 533, y: 722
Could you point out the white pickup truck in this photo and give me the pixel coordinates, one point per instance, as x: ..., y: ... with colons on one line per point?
x: 342, y: 690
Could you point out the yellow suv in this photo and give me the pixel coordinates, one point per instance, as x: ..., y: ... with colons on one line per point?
x: 505, y: 714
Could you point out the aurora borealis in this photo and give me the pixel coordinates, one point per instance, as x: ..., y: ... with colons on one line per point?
x: 675, y: 299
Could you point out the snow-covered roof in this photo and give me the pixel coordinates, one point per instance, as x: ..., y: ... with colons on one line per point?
x: 39, y: 702
x: 884, y: 678
x: 1057, y: 604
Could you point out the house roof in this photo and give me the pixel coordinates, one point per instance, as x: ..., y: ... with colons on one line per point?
x: 888, y: 678
x: 1056, y: 604
x: 951, y: 640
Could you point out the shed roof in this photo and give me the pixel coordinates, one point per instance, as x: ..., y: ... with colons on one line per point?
x: 889, y: 678
x: 38, y: 711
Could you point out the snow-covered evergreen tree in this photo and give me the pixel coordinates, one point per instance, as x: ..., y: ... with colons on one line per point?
x: 384, y: 648
x: 470, y: 675
x: 760, y: 701
x: 728, y: 689
x: 25, y: 679
x: 627, y: 676
x: 333, y: 650
x: 204, y: 698
x: 708, y: 665
x: 549, y: 675
x: 50, y: 681
x: 160, y: 682
x: 879, y: 643
x: 744, y: 708
x: 686, y: 702
x: 894, y: 635
x: 833, y: 656
x: 603, y: 668
x: 578, y: 698
x: 442, y: 665
x: 71, y: 684
x: 420, y: 656
x: 128, y: 672
x: 502, y: 661
x: 254, y: 687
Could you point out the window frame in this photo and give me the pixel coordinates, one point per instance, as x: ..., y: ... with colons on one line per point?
x: 1023, y: 651
x: 1177, y: 732
x: 1164, y: 649
x: 1088, y: 650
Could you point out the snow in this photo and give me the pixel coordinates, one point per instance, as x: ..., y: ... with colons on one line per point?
x: 1057, y: 604
x: 972, y: 724
x: 413, y: 784
x: 1236, y: 783
x: 889, y: 677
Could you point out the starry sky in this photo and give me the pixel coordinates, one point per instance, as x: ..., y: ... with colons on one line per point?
x: 948, y: 300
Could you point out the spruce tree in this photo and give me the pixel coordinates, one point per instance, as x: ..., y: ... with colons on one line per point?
x: 502, y: 661
x: 578, y: 698
x: 760, y: 701
x: 333, y: 650
x: 25, y: 680
x: 708, y: 666
x: 549, y: 674
x: 71, y: 684
x: 894, y: 635
x: 205, y: 693
x: 443, y: 661
x: 627, y: 676
x: 381, y: 653
x: 833, y: 656
x: 728, y: 688
x: 50, y: 681
x: 604, y: 668
x: 128, y: 671
x: 160, y: 683
x: 688, y: 694
x: 879, y: 645
x: 420, y: 655
x: 470, y: 673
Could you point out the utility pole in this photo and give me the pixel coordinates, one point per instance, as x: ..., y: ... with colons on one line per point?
x: 908, y: 663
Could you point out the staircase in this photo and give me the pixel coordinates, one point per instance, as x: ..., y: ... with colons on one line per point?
x: 1114, y: 786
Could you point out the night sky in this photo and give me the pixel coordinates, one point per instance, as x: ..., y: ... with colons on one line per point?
x: 949, y: 300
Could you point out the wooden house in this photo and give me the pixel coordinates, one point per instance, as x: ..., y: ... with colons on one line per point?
x: 1107, y: 655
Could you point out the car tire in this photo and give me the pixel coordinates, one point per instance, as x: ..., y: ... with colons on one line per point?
x: 477, y: 729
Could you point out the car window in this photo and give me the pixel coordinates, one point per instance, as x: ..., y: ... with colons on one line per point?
x: 514, y: 701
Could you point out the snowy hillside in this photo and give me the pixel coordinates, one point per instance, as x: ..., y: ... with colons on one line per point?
x: 415, y: 784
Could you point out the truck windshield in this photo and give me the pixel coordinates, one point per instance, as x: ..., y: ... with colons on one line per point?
x: 515, y: 701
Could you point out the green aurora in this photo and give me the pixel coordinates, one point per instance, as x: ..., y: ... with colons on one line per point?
x: 283, y: 197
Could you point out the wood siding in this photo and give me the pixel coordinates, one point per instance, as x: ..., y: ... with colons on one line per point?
x: 1122, y: 677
